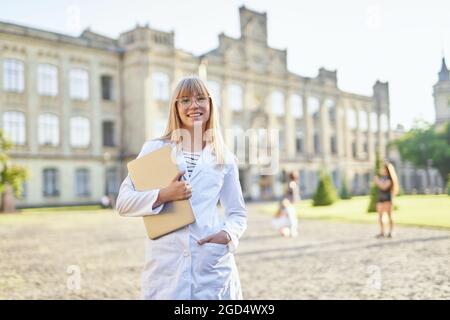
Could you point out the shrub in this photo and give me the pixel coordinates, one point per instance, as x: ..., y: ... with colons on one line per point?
x: 326, y: 193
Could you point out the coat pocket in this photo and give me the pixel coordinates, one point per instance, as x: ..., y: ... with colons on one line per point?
x: 214, y: 264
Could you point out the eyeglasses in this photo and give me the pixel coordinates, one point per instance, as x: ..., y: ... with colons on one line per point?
x: 186, y: 102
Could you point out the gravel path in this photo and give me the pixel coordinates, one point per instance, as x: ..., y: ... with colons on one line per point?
x: 99, y: 255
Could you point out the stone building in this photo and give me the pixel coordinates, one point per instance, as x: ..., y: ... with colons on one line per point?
x: 78, y: 108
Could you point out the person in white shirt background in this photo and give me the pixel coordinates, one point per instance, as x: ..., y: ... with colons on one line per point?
x: 197, y: 261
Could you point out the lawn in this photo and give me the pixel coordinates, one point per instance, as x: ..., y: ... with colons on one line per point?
x: 417, y: 210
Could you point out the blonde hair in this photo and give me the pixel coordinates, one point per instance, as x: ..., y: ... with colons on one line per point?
x: 394, y: 179
x: 188, y: 86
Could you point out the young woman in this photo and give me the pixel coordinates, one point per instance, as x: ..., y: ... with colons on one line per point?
x: 293, y: 192
x: 197, y: 261
x: 387, y: 184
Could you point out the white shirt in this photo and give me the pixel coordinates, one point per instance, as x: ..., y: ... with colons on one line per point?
x: 191, y: 159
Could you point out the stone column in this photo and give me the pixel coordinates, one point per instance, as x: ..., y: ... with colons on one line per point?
x: 226, y: 115
x: 95, y: 109
x: 64, y: 85
x: 359, y: 143
x: 290, y: 133
x: 370, y: 137
x: 33, y: 103
x: 340, y: 128
x: 309, y: 128
x: 324, y: 131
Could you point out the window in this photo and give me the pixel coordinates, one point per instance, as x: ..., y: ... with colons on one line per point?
x: 50, y: 180
x: 24, y: 193
x: 373, y: 122
x: 79, y: 84
x: 333, y: 145
x: 235, y: 97
x: 82, y: 183
x: 160, y: 86
x: 48, y: 129
x: 47, y: 80
x: 281, y: 138
x: 352, y: 121
x: 384, y: 123
x: 299, y: 141
x: 356, y: 188
x: 363, y: 123
x: 112, y: 184
x: 313, y: 107
x: 79, y: 132
x: 108, y: 134
x: 13, y: 75
x: 296, y: 106
x: 331, y: 107
x: 354, y: 149
x: 107, y: 88
x: 14, y: 126
x: 313, y: 179
x: 214, y: 91
x: 278, y: 103
x: 335, y: 178
x: 160, y: 127
x: 316, y: 143
x: 302, y: 176
x: 239, y: 141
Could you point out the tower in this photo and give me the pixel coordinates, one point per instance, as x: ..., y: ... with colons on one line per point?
x: 253, y: 25
x: 441, y: 94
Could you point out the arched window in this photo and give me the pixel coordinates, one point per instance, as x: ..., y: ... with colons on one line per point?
x: 48, y: 129
x: 14, y: 126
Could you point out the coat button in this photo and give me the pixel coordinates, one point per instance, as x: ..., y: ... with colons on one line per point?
x: 185, y: 253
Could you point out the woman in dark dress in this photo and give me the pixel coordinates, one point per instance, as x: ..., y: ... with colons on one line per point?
x: 387, y: 184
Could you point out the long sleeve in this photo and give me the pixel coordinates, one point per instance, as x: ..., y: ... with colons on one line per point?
x: 232, y: 201
x: 132, y: 203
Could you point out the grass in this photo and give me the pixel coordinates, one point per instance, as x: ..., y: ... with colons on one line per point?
x: 72, y: 208
x: 34, y: 214
x: 417, y: 210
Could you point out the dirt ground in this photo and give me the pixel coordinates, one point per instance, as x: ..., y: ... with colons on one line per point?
x: 100, y: 255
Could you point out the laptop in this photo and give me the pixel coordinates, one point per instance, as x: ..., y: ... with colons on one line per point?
x: 155, y: 171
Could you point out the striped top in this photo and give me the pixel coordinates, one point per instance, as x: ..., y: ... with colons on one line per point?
x: 191, y: 159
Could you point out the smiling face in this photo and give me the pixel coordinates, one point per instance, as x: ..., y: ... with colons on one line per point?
x: 193, y: 109
x: 383, y: 171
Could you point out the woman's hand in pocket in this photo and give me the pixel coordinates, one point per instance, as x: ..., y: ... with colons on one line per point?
x: 220, y: 237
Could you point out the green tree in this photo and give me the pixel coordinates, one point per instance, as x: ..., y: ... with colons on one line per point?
x: 373, y: 188
x: 345, y: 191
x: 426, y: 145
x: 326, y: 193
x: 11, y: 176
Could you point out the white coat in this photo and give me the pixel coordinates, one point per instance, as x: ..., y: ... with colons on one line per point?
x: 176, y: 266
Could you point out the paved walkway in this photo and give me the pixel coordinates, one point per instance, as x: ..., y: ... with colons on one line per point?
x: 40, y: 257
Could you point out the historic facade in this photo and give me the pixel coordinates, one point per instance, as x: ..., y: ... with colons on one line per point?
x: 78, y: 108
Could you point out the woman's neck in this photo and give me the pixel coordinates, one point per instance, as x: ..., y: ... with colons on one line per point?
x: 195, y: 142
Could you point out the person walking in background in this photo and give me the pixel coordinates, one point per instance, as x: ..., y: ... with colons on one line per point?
x: 293, y: 191
x: 387, y: 184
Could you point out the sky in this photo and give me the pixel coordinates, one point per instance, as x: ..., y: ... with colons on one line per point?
x: 398, y: 41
